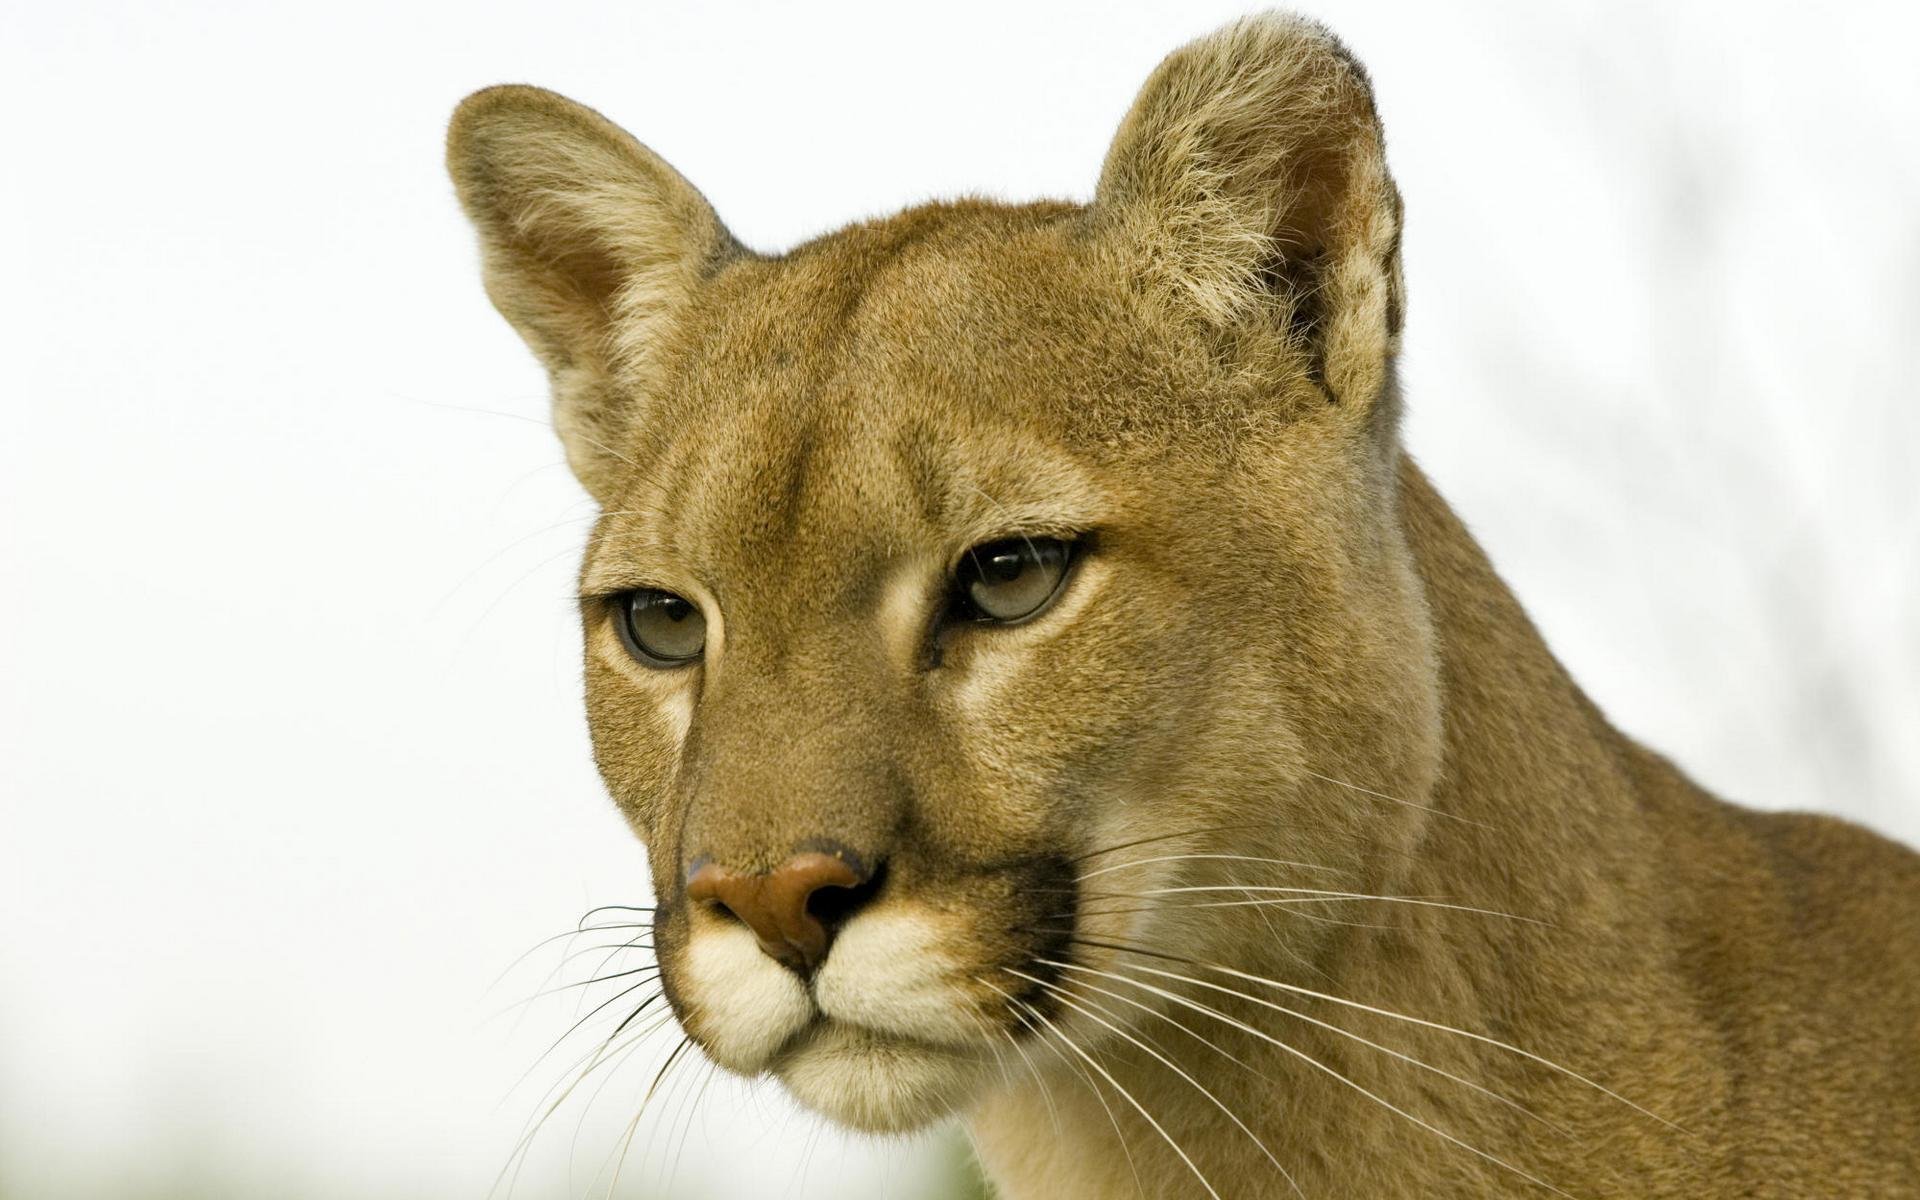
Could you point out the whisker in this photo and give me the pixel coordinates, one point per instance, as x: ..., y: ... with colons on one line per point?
x: 546, y: 941
x: 627, y: 1139
x: 600, y: 908
x: 560, y: 966
x: 1254, y: 826
x: 597, y: 1058
x: 1305, y: 896
x: 1067, y: 999
x: 515, y: 586
x: 1425, y: 808
x: 519, y: 580
x: 1167, y: 837
x: 1178, y: 1024
x: 693, y: 1111
x: 613, y: 948
x: 607, y: 960
x: 675, y: 1092
x: 1315, y: 1063
x: 582, y: 983
x: 1070, y: 1044
x: 586, y: 1108
x: 1258, y: 905
x: 987, y: 1032
x: 1118, y: 1134
x: 597, y: 1009
x: 1382, y: 1012
x: 513, y: 416
x: 520, y: 480
x: 1345, y: 1033
x: 1250, y: 858
x: 628, y: 1019
x: 1046, y: 1093
x: 497, y: 555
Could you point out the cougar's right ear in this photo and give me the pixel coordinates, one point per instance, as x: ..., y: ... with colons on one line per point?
x: 590, y: 246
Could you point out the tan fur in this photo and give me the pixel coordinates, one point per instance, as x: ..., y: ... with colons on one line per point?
x: 1281, y: 648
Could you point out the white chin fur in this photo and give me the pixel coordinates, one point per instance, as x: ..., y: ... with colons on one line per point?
x: 875, y: 1083
x: 888, y: 972
x: 748, y: 1006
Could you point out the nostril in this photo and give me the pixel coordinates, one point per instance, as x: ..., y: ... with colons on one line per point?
x: 834, y: 905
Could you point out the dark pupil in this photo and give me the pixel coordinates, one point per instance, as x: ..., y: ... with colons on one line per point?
x: 661, y: 625
x: 1005, y: 567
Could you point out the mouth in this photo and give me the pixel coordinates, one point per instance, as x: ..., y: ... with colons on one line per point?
x: 879, y: 1063
x: 875, y: 1081
x: 906, y: 1018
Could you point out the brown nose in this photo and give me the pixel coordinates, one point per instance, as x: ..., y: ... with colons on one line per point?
x: 786, y: 908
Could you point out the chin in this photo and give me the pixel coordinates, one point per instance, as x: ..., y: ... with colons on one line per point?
x: 876, y: 1082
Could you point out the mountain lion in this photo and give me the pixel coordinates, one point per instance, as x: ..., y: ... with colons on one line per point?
x: 1051, y: 696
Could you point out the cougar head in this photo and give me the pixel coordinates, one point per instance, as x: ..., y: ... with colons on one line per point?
x: 964, y: 578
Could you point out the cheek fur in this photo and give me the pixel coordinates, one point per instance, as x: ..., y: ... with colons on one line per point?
x: 639, y: 728
x: 896, y: 972
x: 739, y: 1004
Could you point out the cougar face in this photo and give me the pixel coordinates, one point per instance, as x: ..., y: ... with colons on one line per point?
x: 963, y: 619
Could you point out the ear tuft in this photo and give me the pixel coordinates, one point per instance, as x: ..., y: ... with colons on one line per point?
x: 590, y: 245
x: 1250, y: 179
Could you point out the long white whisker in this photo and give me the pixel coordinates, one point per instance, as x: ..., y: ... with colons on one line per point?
x: 1317, y: 1065
x: 1425, y: 808
x: 1118, y: 1134
x: 1070, y: 1044
x: 1160, y: 858
x: 497, y: 555
x: 987, y: 1031
x: 1202, y: 1038
x: 1033, y: 1068
x: 1290, y: 908
x: 1389, y: 1013
x: 1308, y: 896
x: 1345, y: 1033
x: 1067, y: 999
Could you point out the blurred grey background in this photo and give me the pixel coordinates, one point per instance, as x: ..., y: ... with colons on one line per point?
x: 292, y: 762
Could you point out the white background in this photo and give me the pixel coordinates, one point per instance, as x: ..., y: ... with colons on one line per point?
x: 292, y: 761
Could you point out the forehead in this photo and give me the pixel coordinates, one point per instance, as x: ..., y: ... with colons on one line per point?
x: 952, y: 372
x: 954, y: 314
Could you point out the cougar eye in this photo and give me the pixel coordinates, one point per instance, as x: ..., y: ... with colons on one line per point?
x: 659, y: 628
x: 1010, y: 580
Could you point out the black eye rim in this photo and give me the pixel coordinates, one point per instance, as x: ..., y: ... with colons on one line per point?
x: 961, y: 609
x: 620, y: 607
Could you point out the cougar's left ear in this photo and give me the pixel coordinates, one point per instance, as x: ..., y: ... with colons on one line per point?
x: 1250, y: 180
x: 591, y: 246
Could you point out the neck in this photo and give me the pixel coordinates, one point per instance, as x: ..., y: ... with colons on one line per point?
x: 1547, y: 823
